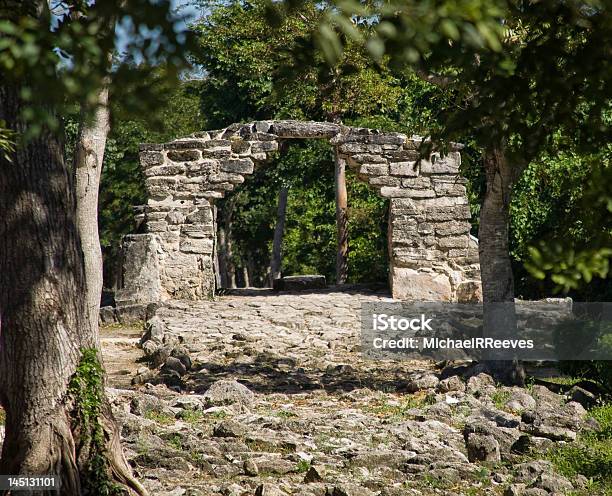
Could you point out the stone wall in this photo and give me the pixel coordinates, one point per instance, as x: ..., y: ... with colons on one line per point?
x: 431, y: 254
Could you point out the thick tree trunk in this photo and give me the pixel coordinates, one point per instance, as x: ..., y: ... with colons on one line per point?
x: 279, y: 230
x: 44, y: 328
x: 495, y: 263
x: 88, y: 159
x: 341, y: 220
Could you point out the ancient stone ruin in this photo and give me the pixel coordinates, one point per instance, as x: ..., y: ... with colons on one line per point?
x: 430, y: 251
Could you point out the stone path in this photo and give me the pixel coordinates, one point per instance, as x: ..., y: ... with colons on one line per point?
x: 268, y: 395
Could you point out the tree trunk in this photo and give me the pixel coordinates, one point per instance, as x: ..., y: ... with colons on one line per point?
x: 88, y: 159
x: 279, y: 230
x: 495, y: 263
x: 228, y: 212
x: 222, y: 258
x: 245, y: 276
x: 341, y: 220
x: 44, y: 328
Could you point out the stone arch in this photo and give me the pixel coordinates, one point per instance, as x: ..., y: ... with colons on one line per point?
x: 430, y: 251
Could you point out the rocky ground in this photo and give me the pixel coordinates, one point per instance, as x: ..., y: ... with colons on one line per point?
x: 267, y: 394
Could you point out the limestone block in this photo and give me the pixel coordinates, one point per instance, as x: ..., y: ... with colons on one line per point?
x: 140, y: 269
x: 240, y: 146
x: 412, y: 285
x: 165, y: 170
x: 453, y: 242
x: 374, y: 169
x: 354, y: 148
x: 404, y: 169
x: 449, y: 186
x: 222, y: 177
x: 223, y: 144
x: 402, y: 155
x: 406, y: 192
x: 449, y: 164
x: 368, y: 158
x: 196, y: 245
x: 183, y: 155
x: 385, y: 181
x: 202, y: 215
x: 264, y: 146
x: 160, y: 186
x: 450, y: 201
x: 150, y: 158
x: 441, y: 214
x: 175, y: 217
x: 237, y: 165
x: 377, y: 139
x: 186, y: 144
x: 453, y: 228
x: 157, y: 226
x: 216, y: 153
x: 299, y: 129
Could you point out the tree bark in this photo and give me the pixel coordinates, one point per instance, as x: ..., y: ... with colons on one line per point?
x: 44, y: 327
x: 88, y: 159
x: 228, y: 212
x: 222, y: 258
x: 495, y: 263
x: 341, y: 220
x: 279, y: 230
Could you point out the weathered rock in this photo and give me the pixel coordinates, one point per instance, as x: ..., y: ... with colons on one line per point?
x: 226, y: 392
x: 230, y: 428
x: 582, y: 396
x: 268, y: 489
x: 453, y: 383
x: 553, y: 483
x: 350, y: 489
x: 482, y: 448
x: 428, y: 381
x: 314, y: 474
x: 300, y: 283
x: 250, y: 468
x: 175, y: 365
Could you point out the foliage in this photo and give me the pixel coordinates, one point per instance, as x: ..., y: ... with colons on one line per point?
x: 520, y: 73
x: 57, y: 53
x: 597, y: 371
x: 86, y: 388
x: 7, y: 141
x: 309, y: 244
x: 254, y: 73
x: 590, y: 455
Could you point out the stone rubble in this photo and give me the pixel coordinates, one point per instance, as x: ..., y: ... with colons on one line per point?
x: 278, y: 400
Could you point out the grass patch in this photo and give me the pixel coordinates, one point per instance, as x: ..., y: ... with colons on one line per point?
x: 565, y: 380
x: 285, y: 414
x: 159, y: 417
x: 191, y: 416
x: 590, y: 455
x: 400, y: 409
x: 302, y: 466
x: 2, y: 417
x: 499, y: 398
x: 175, y: 441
